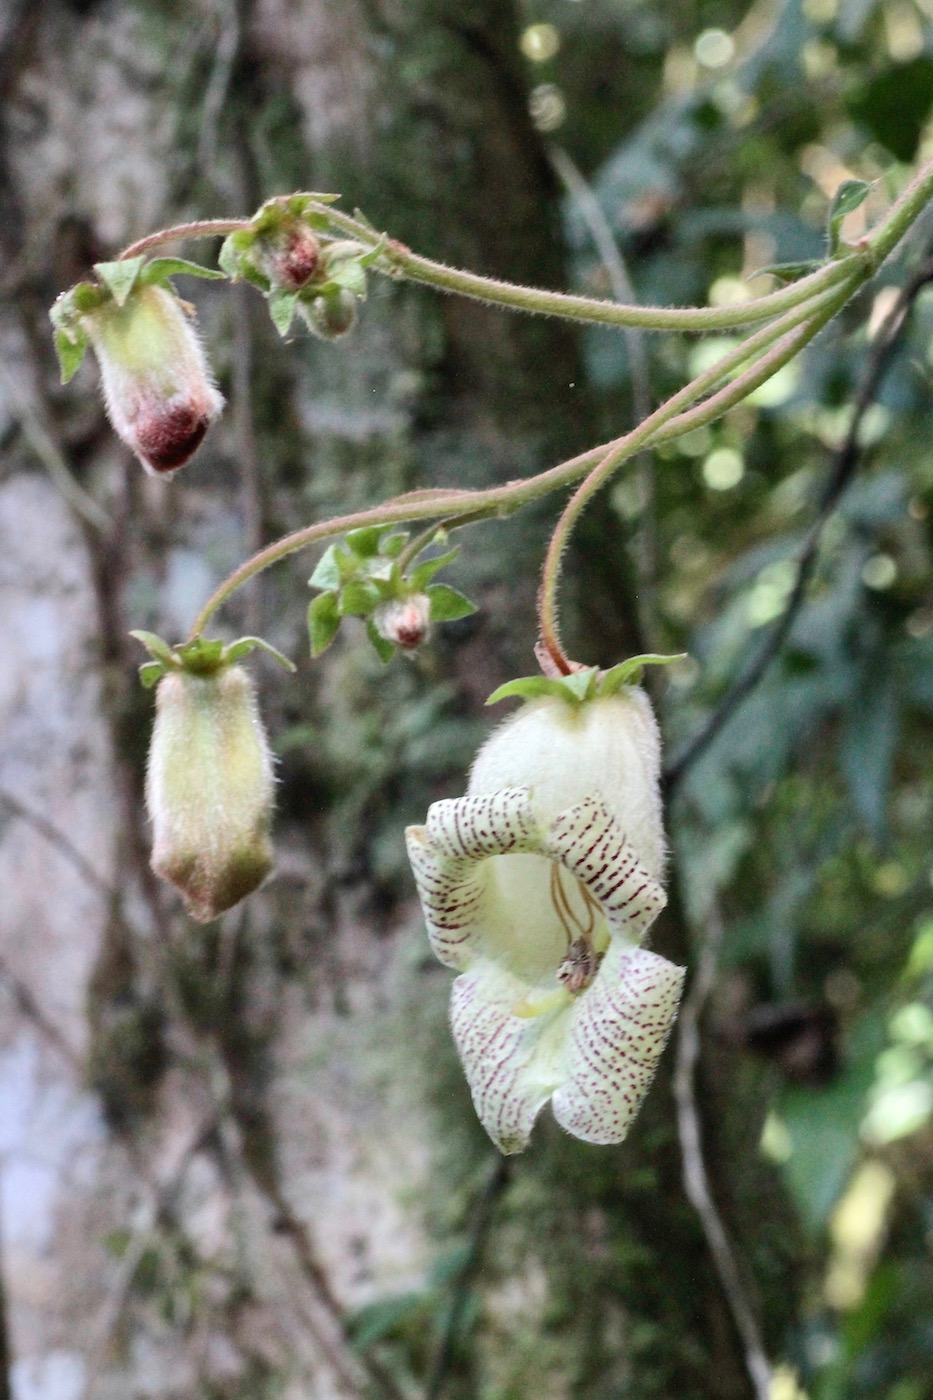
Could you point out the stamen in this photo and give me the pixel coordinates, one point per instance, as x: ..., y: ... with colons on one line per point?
x: 579, y: 967
x: 570, y: 920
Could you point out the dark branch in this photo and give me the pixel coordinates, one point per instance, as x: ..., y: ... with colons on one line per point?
x: 842, y: 470
x: 57, y: 838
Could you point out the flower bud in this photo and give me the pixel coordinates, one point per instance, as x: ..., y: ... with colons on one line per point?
x: 289, y: 256
x: 330, y: 315
x: 404, y: 621
x: 159, y: 391
x: 209, y: 789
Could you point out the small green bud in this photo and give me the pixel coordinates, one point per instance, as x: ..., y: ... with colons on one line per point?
x: 159, y: 391
x: 330, y: 315
x: 209, y: 789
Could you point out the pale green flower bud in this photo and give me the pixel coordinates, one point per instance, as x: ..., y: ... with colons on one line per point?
x: 329, y: 316
x: 158, y: 388
x: 209, y: 789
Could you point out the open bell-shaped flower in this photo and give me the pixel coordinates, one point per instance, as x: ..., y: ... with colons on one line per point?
x: 539, y: 886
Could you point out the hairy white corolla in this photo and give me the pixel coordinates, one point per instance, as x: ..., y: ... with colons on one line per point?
x: 209, y: 789
x: 160, y: 394
x: 538, y: 886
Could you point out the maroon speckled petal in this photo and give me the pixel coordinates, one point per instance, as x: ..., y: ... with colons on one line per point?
x: 618, y: 1030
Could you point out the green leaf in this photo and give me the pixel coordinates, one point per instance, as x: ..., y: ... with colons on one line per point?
x: 160, y: 269
x: 282, y: 310
x: 232, y: 250
x: 358, y: 598
x: 244, y: 645
x: 156, y: 647
x: 583, y: 685
x: 120, y: 277
x: 391, y: 545
x: 362, y: 219
x: 71, y: 348
x: 528, y: 688
x: 327, y: 573
x: 364, y: 542
x: 423, y: 574
x: 323, y: 622
x: 629, y: 672
x: 580, y: 685
x: 849, y: 196
x: 447, y: 604
x: 787, y: 272
x: 374, y: 254
x: 150, y: 673
x: 384, y: 649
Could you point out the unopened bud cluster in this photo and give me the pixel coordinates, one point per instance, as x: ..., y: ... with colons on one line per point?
x: 280, y: 252
x: 404, y: 621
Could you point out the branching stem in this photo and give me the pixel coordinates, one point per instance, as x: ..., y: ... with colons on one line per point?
x: 667, y: 423
x: 800, y: 310
x: 462, y: 507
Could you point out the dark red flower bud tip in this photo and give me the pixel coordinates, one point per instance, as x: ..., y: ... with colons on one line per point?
x: 408, y: 637
x: 167, y: 440
x: 404, y: 621
x: 299, y: 259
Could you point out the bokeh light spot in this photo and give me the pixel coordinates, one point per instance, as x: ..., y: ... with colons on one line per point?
x: 714, y: 48
x: 723, y: 469
x: 539, y: 42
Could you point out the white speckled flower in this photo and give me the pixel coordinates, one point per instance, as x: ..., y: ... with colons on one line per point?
x: 539, y: 886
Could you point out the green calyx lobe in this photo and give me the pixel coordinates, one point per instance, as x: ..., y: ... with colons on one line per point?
x: 587, y: 684
x: 200, y: 657
x: 117, y: 282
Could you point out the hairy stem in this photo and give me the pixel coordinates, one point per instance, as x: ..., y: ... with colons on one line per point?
x: 458, y: 507
x: 791, y: 334
x: 805, y: 308
x: 399, y: 259
x: 200, y: 228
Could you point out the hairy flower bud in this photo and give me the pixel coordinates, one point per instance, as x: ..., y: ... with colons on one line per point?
x: 289, y: 256
x: 158, y: 388
x: 404, y: 621
x: 209, y: 789
x: 330, y: 315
